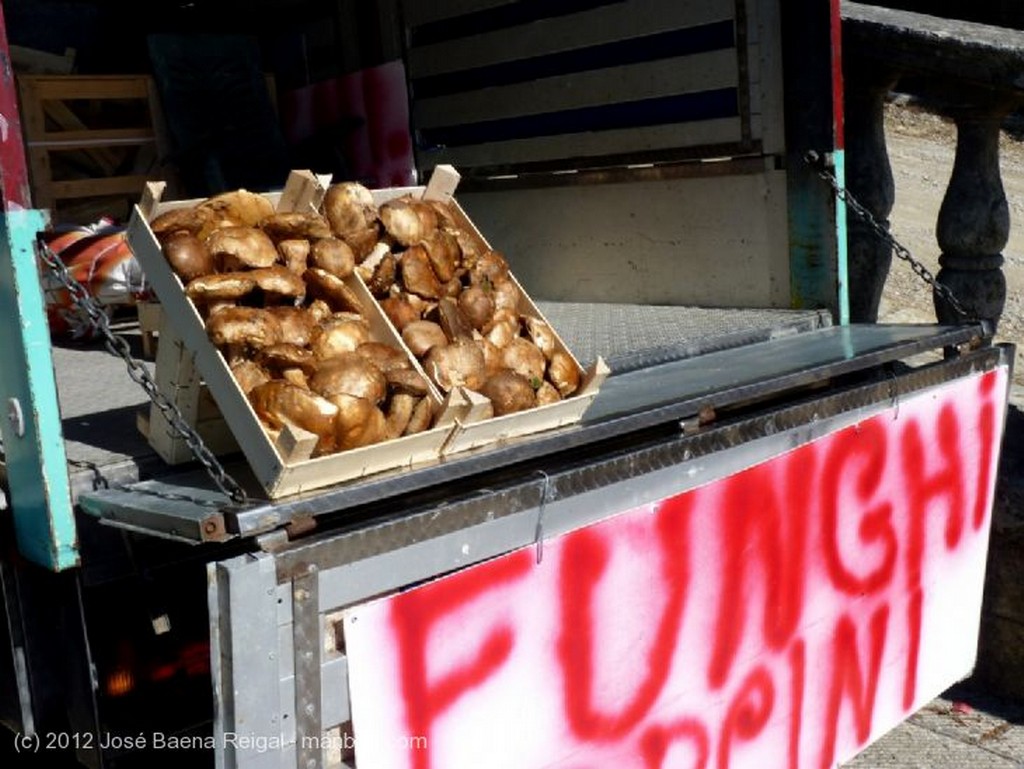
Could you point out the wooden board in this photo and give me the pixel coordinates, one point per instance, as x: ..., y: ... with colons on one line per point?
x: 53, y: 129
x: 277, y: 476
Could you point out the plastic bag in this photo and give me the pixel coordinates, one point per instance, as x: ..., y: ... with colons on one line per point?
x: 98, y: 257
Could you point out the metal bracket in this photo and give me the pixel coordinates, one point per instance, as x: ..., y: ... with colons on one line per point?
x: 16, y: 417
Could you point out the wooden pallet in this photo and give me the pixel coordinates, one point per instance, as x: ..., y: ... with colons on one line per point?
x: 106, y: 128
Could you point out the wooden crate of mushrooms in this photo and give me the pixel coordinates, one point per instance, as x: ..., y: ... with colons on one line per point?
x: 344, y: 331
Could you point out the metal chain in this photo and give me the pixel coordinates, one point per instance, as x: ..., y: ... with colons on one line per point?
x: 118, y: 345
x: 816, y: 161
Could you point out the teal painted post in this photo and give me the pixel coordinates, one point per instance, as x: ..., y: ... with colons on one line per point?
x: 812, y: 97
x: 37, y: 468
x: 842, y: 259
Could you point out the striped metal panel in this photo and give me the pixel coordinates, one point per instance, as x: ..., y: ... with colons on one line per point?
x: 623, y: 144
x: 500, y: 87
x: 418, y: 12
x: 451, y: 47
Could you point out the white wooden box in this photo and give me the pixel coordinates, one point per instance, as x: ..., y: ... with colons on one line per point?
x: 278, y: 475
x: 463, y: 419
x: 474, y: 425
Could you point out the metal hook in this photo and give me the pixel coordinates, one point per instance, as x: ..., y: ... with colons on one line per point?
x: 538, y: 536
x: 894, y: 394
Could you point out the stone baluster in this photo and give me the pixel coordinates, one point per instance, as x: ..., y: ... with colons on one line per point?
x: 974, y: 220
x: 869, y: 180
x: 975, y: 74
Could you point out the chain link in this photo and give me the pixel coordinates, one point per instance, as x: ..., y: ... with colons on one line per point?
x: 117, y: 345
x: 816, y: 161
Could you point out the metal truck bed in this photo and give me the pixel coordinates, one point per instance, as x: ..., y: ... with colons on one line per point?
x: 100, y: 403
x: 667, y: 364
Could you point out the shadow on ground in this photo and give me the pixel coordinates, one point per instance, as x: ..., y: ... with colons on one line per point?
x: 1000, y: 667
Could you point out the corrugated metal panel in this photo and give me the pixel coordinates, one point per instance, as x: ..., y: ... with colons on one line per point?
x: 418, y: 12
x: 577, y: 83
x: 648, y: 80
x: 492, y: 40
x: 623, y: 145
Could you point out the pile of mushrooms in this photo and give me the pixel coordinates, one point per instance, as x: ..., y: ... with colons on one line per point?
x: 271, y: 289
x: 453, y: 300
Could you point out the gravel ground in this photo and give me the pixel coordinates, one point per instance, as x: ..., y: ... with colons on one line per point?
x: 921, y: 150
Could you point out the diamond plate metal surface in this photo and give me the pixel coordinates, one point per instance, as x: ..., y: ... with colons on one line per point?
x: 628, y: 335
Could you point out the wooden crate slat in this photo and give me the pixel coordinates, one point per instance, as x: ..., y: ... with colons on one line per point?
x: 97, y: 137
x: 39, y: 170
x: 59, y: 112
x: 73, y: 87
x: 86, y: 188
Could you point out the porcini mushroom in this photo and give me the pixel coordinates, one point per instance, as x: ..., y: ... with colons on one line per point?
x: 278, y: 403
x: 384, y: 356
x: 295, y: 225
x: 338, y: 335
x: 563, y: 373
x: 219, y: 286
x: 333, y: 255
x: 421, y: 335
x: 187, y: 255
x: 249, y: 326
x: 418, y: 276
x: 509, y: 392
x: 242, y: 206
x: 327, y: 286
x: 351, y: 374
x: 238, y: 247
x: 297, y: 323
x: 523, y: 357
x: 408, y: 220
x: 359, y: 422
x: 278, y: 280
x: 349, y: 208
x: 294, y: 254
x: 459, y: 364
x: 400, y: 311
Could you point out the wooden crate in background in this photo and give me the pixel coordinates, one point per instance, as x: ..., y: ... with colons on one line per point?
x: 92, y: 141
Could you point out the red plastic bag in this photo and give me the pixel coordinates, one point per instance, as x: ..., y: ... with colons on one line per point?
x: 99, y: 258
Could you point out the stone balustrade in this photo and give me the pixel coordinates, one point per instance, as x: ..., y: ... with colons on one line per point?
x: 972, y: 73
